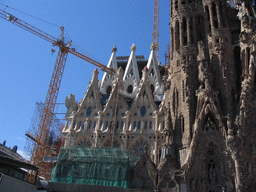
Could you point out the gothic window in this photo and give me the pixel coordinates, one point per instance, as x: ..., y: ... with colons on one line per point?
x: 184, y: 30
x: 177, y: 36
x: 200, y: 28
x: 182, y: 123
x: 212, y: 174
x: 143, y: 111
x: 211, y: 149
x: 150, y: 125
x: 183, y: 91
x: 89, y: 112
x: 139, y: 124
x: 176, y: 100
x: 94, y: 125
x: 191, y: 30
x: 122, y: 124
x: 209, y: 125
x: 208, y: 17
x: 152, y: 88
x: 117, y: 124
x: 178, y: 63
x: 106, y: 125
x: 176, y: 5
x: 172, y: 41
x: 90, y: 124
x: 238, y: 67
x: 130, y: 89
x: 247, y: 61
x: 109, y: 89
x: 222, y: 15
x: 215, y: 19
x: 134, y: 124
x: 146, y: 125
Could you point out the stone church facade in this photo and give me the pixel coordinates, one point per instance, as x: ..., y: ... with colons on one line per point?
x: 192, y: 122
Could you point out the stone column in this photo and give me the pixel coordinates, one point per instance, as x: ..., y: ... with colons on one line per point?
x: 71, y: 126
x: 211, y: 16
x: 218, y: 14
x: 126, y: 126
x: 237, y: 177
x: 99, y: 120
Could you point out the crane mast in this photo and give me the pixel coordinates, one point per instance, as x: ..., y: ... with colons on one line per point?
x: 156, y: 27
x: 41, y: 137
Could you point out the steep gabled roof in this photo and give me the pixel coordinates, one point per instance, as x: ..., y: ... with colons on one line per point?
x: 152, y: 65
x: 144, y: 91
x: 107, y: 79
x: 92, y: 94
x: 132, y: 67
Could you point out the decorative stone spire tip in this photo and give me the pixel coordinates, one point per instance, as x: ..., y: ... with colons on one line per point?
x: 133, y: 47
x: 152, y: 47
x: 114, y: 49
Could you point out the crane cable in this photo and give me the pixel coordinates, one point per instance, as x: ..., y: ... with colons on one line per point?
x: 83, y: 51
x: 6, y: 6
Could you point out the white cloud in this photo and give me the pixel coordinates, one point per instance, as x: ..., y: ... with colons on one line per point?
x: 24, y: 155
x: 20, y: 138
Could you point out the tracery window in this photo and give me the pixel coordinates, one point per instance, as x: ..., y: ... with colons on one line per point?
x: 84, y: 143
x: 138, y: 148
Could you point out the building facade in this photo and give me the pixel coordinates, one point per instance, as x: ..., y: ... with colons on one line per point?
x: 197, y: 120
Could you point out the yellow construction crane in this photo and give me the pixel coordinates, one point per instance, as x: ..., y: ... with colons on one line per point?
x: 156, y: 27
x: 40, y: 144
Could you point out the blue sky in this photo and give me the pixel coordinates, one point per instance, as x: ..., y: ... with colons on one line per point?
x: 26, y: 61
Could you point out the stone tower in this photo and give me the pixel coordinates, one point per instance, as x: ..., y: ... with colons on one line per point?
x: 210, y: 83
x: 187, y: 28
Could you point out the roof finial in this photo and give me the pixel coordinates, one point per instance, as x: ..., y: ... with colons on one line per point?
x: 133, y: 48
x: 152, y: 47
x: 114, y: 49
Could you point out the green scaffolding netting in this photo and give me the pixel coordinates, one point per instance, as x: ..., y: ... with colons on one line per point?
x: 109, y: 167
